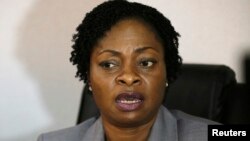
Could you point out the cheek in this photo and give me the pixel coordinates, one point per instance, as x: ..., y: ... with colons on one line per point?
x: 157, y: 82
x: 157, y: 78
x: 156, y: 93
x: 157, y: 87
x: 101, y: 83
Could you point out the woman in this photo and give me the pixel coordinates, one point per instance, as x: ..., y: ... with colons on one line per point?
x: 127, y: 53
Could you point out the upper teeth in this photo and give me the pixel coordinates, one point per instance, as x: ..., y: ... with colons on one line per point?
x: 130, y: 101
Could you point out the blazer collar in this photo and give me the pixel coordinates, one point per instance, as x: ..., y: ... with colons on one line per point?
x: 164, y: 128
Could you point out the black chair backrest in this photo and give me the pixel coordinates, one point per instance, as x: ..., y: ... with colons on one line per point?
x: 200, y: 90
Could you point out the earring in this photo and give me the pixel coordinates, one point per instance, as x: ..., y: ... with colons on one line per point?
x: 166, y: 84
x: 90, y: 89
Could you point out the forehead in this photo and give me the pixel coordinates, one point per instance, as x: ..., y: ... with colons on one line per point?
x: 132, y: 25
x: 132, y: 32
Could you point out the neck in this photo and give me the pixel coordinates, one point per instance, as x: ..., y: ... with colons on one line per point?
x: 118, y: 133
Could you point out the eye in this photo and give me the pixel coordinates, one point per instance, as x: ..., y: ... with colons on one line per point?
x: 108, y: 64
x: 147, y: 63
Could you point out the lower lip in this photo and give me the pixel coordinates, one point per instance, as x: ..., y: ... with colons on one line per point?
x: 129, y: 107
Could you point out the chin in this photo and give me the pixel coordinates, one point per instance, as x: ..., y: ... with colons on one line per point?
x: 130, y: 119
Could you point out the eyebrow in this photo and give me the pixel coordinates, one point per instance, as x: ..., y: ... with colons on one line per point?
x: 142, y: 49
x: 113, y: 52
x: 116, y: 53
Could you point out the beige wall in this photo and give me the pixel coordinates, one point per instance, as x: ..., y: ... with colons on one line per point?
x: 213, y: 31
x: 37, y: 86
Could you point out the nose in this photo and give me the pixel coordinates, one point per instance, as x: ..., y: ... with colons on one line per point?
x: 128, y: 77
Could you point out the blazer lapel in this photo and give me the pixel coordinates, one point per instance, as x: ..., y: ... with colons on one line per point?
x: 95, y: 132
x: 165, y: 127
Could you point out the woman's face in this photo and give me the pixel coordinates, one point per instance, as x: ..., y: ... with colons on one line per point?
x: 128, y: 74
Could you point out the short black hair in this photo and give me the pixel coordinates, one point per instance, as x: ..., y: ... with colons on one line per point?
x: 100, y: 20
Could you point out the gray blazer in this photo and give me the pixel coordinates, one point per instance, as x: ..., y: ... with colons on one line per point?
x: 169, y: 126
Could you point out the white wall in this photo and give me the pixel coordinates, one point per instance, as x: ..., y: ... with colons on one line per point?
x: 37, y: 86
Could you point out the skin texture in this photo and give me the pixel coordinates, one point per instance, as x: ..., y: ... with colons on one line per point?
x: 129, y: 59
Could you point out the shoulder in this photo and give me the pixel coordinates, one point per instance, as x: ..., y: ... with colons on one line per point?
x: 181, y: 116
x: 191, y: 127
x: 68, y: 134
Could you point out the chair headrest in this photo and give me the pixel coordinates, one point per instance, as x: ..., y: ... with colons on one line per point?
x: 201, y: 90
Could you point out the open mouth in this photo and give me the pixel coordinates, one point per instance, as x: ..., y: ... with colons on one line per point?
x: 129, y: 101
